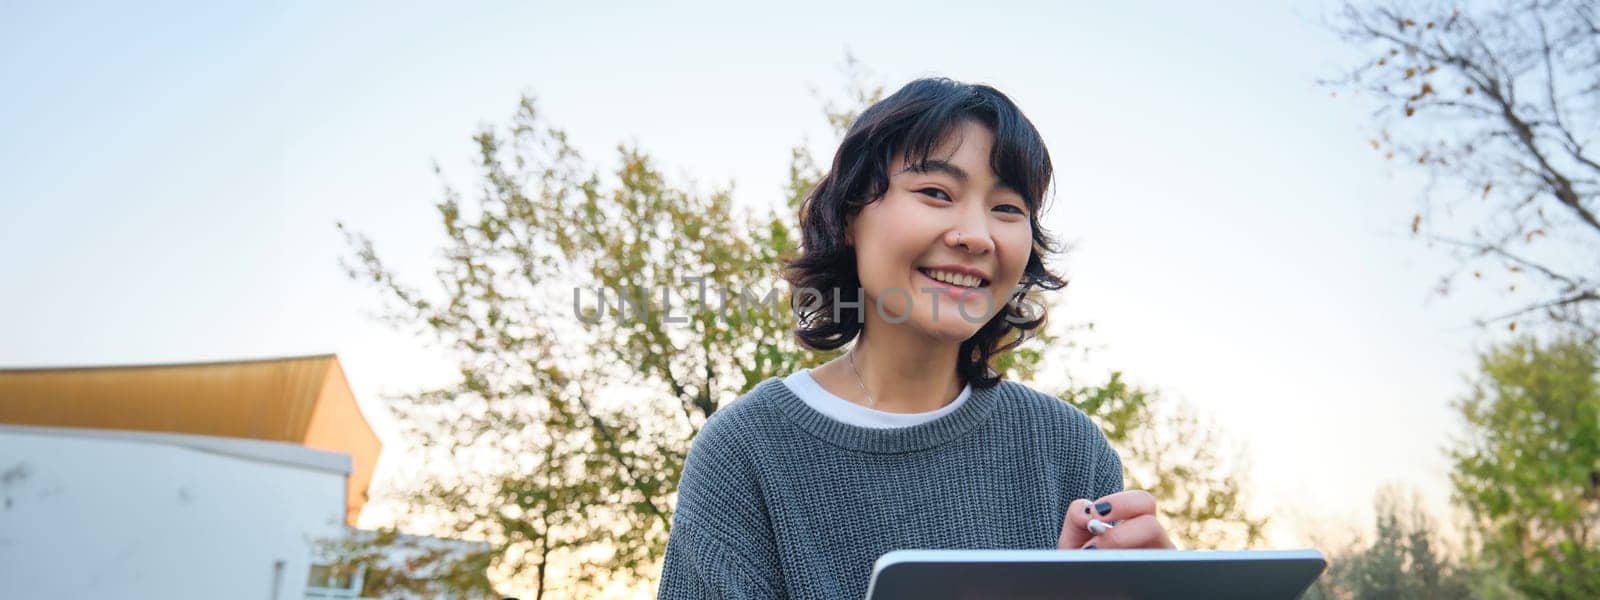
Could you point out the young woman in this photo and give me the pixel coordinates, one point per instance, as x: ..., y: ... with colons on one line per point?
x: 920, y: 245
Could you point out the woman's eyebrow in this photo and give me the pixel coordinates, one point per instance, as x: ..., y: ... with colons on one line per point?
x: 934, y: 165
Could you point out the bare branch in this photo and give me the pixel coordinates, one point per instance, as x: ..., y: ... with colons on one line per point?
x: 1584, y: 296
x: 1486, y: 104
x: 1499, y: 250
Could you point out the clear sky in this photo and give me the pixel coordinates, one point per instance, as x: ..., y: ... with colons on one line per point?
x: 172, y: 175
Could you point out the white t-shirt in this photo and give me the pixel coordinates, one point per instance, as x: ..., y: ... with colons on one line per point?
x: 850, y: 413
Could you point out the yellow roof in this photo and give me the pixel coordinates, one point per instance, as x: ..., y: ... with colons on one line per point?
x: 305, y: 400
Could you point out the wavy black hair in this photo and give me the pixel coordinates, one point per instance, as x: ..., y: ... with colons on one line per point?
x: 913, y: 120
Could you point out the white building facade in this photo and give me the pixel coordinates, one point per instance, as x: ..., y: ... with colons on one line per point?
x: 88, y: 513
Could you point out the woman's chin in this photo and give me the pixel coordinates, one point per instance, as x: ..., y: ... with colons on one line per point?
x: 950, y: 330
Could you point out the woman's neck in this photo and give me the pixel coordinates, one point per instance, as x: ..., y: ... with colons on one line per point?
x: 900, y: 370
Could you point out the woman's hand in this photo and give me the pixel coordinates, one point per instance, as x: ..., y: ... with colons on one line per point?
x: 1133, y: 512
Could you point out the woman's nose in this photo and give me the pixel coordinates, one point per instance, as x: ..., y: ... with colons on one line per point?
x: 972, y: 235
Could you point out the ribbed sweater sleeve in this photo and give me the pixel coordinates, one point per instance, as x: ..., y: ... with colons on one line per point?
x: 1108, y: 471
x: 699, y: 565
x: 721, y: 545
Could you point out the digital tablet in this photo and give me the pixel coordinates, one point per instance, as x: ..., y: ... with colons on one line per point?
x: 1119, y: 574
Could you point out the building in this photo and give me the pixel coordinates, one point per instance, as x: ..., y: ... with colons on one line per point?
x: 208, y: 480
x: 302, y: 400
x: 88, y: 513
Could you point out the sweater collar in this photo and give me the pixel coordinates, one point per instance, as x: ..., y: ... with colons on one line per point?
x: 897, y: 440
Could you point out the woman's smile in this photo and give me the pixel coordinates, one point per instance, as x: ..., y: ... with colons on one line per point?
x: 951, y: 285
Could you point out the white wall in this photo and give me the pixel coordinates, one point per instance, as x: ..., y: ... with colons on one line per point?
x: 128, y: 515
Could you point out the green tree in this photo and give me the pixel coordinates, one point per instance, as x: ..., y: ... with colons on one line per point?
x: 1405, y: 558
x: 1497, y: 103
x: 1182, y: 459
x: 1528, y: 469
x: 392, y: 565
x: 564, y: 436
x: 589, y: 357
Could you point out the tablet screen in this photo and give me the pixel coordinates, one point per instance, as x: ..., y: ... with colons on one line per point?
x: 1120, y: 574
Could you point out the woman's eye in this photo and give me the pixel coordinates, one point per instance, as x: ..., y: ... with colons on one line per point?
x: 1012, y: 208
x: 934, y: 192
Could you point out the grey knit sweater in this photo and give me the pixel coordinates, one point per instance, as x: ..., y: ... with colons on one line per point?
x: 780, y: 501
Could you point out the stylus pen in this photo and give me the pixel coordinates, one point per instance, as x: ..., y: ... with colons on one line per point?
x: 1097, y: 527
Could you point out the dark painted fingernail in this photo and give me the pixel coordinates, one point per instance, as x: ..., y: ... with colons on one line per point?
x: 1091, y: 547
x: 1104, y: 508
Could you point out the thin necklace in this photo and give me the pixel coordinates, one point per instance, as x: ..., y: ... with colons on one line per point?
x: 851, y: 356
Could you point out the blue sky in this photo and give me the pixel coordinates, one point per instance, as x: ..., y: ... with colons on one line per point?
x: 173, y: 174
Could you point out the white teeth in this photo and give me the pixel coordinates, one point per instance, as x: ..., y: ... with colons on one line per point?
x: 954, y: 278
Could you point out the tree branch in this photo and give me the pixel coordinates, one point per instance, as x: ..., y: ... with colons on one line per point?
x: 614, y: 449
x: 1561, y: 186
x: 1568, y: 300
x: 1497, y: 250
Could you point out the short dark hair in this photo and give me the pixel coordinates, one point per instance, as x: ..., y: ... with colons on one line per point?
x: 913, y: 120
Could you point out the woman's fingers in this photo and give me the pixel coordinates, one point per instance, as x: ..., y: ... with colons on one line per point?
x: 1121, y: 506
x: 1074, y: 529
x: 1121, y: 520
x: 1143, y: 531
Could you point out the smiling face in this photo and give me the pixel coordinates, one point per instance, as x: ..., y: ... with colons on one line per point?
x: 947, y: 243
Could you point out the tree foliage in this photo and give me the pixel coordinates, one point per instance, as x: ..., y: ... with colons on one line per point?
x: 1405, y: 559
x: 392, y: 565
x: 588, y: 356
x: 1528, y: 469
x: 1181, y: 458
